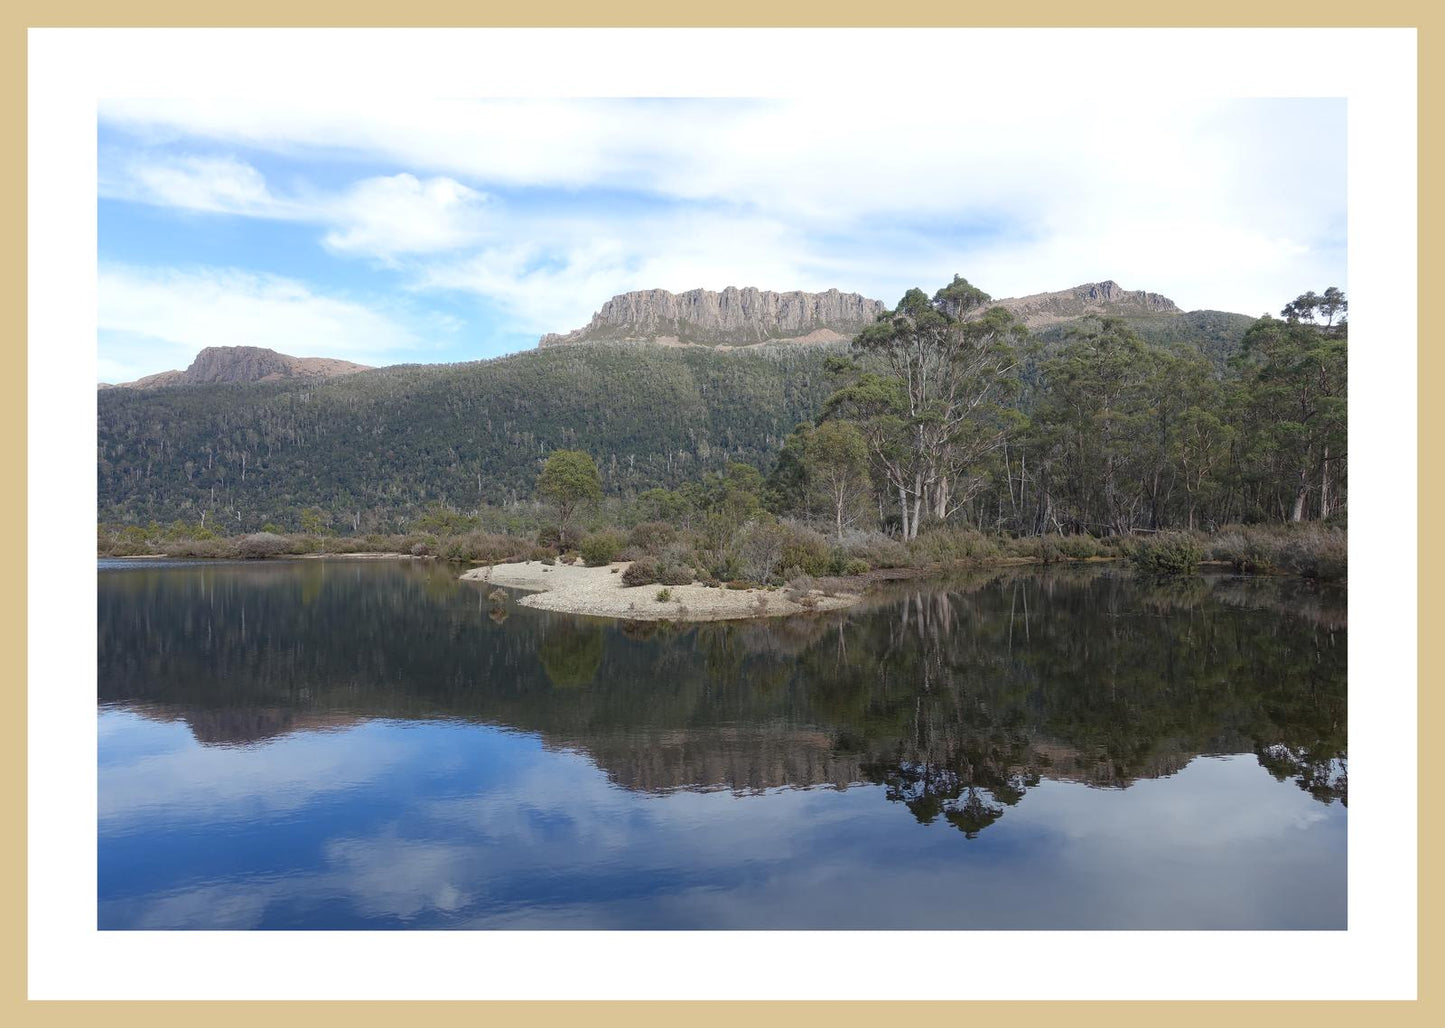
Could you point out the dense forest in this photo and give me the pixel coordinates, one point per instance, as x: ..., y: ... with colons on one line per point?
x: 372, y: 451
x: 944, y: 411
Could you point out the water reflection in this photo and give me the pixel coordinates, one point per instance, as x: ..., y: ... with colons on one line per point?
x: 407, y: 728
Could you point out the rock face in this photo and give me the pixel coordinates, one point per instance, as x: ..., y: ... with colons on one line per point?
x: 244, y: 364
x: 733, y: 317
x: 1104, y: 298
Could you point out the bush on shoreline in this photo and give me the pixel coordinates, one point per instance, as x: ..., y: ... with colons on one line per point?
x: 1168, y: 553
x: 772, y: 552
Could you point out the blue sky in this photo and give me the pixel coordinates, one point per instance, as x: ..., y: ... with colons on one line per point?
x: 464, y: 229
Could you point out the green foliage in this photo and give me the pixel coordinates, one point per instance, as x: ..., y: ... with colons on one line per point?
x: 570, y: 483
x: 1167, y: 553
x: 652, y: 535
x: 443, y: 520
x: 1083, y: 435
x: 487, y: 548
x: 373, y: 450
x: 933, y: 406
x: 948, y: 544
x: 804, y: 551
x: 315, y: 521
x: 601, y: 548
x: 663, y: 595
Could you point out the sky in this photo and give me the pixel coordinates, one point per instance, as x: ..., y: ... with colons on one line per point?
x: 388, y: 232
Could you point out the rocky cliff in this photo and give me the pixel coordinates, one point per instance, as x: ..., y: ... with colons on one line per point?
x: 733, y: 317
x: 244, y: 364
x: 1104, y: 298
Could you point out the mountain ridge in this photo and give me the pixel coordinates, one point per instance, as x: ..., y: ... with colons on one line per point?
x: 216, y: 365
x: 730, y: 317
x: 1106, y: 298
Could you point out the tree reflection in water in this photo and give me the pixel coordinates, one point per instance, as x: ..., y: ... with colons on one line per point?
x: 957, y: 698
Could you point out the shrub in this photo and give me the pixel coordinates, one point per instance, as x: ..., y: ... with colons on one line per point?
x: 805, y: 550
x: 601, y: 548
x: 800, y: 591
x: 758, y: 549
x: 640, y: 572
x: 856, y: 566
x: 213, y: 548
x: 877, y: 549
x: 488, y: 548
x: 261, y: 545
x: 1320, y: 553
x: 1167, y: 553
x: 420, y: 550
x: 663, y: 595
x: 944, y: 544
x: 675, y: 565
x: 652, y: 535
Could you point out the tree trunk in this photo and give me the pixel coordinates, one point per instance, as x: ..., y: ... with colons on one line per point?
x: 940, y: 499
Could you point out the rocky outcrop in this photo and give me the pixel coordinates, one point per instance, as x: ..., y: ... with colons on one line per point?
x: 1103, y: 298
x: 733, y: 317
x: 244, y: 364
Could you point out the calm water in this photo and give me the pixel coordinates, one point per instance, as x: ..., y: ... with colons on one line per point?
x: 346, y: 745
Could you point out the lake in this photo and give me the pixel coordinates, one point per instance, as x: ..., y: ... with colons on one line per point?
x: 375, y: 745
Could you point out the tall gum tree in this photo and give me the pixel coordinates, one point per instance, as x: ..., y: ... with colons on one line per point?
x: 1294, y: 391
x: 931, y: 401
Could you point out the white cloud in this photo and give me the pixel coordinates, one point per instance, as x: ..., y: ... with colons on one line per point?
x: 1236, y: 205
x: 380, y: 217
x: 215, y: 184
x: 192, y: 309
x: 384, y: 217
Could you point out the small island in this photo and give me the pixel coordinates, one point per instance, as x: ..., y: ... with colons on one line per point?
x: 604, y: 592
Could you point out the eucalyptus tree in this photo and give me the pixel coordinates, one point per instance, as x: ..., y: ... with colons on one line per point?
x: 836, y: 467
x: 1294, y: 397
x: 931, y: 398
x: 569, y: 481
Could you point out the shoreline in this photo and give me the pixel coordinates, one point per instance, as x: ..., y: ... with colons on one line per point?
x: 574, y: 589
x: 363, y: 556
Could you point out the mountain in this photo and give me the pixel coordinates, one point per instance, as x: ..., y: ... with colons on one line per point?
x: 1105, y: 299
x: 254, y: 436
x: 1050, y: 317
x: 232, y: 364
x: 733, y: 317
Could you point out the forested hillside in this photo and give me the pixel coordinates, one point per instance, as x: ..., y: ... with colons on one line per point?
x: 374, y: 448
x: 1214, y: 335
x: 936, y: 413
